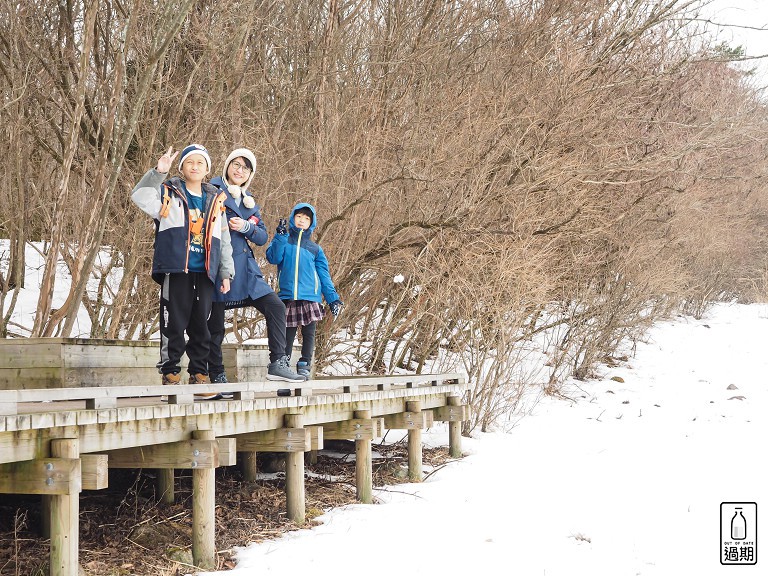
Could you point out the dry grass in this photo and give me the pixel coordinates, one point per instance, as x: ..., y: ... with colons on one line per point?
x: 124, y: 531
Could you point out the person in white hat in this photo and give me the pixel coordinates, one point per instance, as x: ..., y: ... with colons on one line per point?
x: 248, y: 287
x: 192, y: 257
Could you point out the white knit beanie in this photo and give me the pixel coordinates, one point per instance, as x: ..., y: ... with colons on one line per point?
x: 249, y: 156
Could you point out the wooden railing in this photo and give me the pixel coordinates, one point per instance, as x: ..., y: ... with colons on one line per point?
x: 97, y: 398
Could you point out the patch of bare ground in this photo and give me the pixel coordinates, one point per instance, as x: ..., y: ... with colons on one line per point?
x: 124, y: 530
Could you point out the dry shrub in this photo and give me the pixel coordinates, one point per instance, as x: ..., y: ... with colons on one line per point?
x: 555, y: 171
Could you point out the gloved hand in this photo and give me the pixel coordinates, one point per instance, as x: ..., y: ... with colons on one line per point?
x: 336, y: 308
x: 282, y: 227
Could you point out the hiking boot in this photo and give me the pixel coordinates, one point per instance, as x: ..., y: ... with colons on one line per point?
x: 222, y: 379
x: 280, y: 370
x: 203, y: 379
x: 199, y: 379
x: 302, y: 369
x: 169, y: 379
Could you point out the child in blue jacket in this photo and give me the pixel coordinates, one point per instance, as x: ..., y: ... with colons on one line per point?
x: 303, y: 279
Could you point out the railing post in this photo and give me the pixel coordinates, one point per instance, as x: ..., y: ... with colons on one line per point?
x: 363, y: 464
x: 414, y: 445
x: 294, y: 475
x: 65, y: 513
x: 204, y: 511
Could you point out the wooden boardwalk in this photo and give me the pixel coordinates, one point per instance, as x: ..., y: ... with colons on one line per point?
x: 58, y: 441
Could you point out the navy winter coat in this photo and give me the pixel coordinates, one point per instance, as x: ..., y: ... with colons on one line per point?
x: 301, y: 264
x: 249, y: 281
x: 166, y: 202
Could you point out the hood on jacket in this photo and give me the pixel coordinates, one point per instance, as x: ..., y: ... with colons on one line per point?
x: 245, y: 153
x: 314, y: 216
x: 179, y: 183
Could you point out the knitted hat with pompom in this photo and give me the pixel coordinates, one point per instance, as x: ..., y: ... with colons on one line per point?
x: 195, y: 149
x: 250, y: 160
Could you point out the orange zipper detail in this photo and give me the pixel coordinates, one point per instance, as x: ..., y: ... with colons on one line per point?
x: 210, y: 217
x: 189, y: 228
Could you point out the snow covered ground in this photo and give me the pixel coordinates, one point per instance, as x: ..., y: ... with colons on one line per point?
x: 618, y: 478
x: 615, y: 478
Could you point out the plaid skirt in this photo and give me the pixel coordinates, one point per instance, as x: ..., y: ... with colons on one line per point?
x: 302, y: 312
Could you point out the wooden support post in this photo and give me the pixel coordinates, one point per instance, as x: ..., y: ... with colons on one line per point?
x: 413, y: 420
x: 454, y: 431
x: 294, y: 475
x: 165, y: 485
x: 364, y: 464
x: 414, y: 445
x: 65, y: 512
x: 204, y: 510
x: 248, y: 466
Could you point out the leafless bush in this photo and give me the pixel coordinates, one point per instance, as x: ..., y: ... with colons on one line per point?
x: 551, y: 173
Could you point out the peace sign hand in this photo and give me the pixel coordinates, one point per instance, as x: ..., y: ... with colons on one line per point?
x: 166, y: 160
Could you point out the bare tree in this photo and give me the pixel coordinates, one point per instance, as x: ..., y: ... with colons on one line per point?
x: 544, y: 179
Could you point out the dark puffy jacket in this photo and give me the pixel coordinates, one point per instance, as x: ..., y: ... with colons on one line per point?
x: 166, y: 202
x: 249, y: 281
x: 301, y: 264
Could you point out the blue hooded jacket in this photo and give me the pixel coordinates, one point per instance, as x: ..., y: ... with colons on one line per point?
x: 301, y: 264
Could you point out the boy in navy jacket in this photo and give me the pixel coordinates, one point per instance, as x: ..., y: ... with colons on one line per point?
x: 192, y: 249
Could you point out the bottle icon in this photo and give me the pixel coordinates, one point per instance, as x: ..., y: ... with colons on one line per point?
x: 738, y: 525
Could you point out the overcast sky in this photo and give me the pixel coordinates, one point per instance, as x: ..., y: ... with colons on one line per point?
x: 743, y: 21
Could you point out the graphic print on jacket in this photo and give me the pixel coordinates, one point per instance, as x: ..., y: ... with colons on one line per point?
x: 197, y: 252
